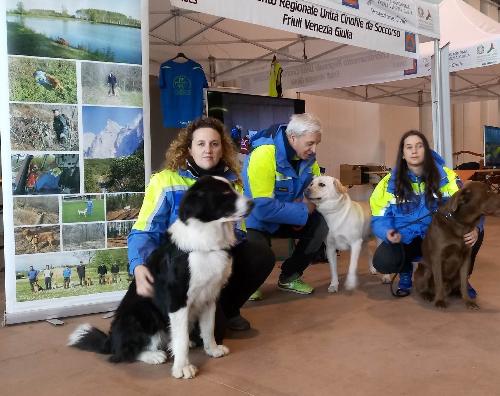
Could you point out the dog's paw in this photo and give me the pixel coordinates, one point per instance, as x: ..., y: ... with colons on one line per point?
x: 386, y: 279
x: 153, y: 357
x: 471, y: 305
x: 333, y: 288
x: 441, y: 304
x: 186, y: 372
x: 351, y: 283
x: 218, y: 351
x: 373, y: 271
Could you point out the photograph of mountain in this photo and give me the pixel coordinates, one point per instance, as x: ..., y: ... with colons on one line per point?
x: 113, y: 149
x: 111, y: 132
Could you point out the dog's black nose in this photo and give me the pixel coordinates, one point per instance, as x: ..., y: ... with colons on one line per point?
x: 307, y: 192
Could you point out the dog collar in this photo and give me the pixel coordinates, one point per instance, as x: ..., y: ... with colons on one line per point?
x: 447, y: 215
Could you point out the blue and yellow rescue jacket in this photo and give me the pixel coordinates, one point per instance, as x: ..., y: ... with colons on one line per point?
x: 386, y: 214
x: 159, y: 210
x: 274, y: 185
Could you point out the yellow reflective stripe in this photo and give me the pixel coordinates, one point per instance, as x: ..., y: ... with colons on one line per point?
x: 451, y: 187
x: 261, y: 171
x: 159, y: 184
x: 381, y: 198
x: 315, y: 169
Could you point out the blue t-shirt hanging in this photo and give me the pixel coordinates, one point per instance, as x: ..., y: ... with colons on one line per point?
x: 181, y: 88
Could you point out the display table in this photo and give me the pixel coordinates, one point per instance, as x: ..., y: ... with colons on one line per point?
x: 488, y: 176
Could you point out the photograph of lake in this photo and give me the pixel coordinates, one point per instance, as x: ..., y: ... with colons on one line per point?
x: 76, y: 29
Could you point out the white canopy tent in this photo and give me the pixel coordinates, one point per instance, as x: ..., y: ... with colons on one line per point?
x: 474, y: 64
x: 237, y: 50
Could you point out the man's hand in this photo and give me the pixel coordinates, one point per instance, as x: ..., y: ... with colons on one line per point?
x: 143, y: 281
x: 471, y: 237
x: 310, y: 206
x: 393, y: 236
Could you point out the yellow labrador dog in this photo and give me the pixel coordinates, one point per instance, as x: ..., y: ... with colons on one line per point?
x: 349, y: 226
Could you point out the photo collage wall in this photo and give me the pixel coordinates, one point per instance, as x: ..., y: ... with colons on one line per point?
x: 77, y: 143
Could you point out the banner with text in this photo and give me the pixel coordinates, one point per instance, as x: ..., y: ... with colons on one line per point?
x: 340, y: 22
x: 360, y: 68
x: 418, y: 16
x: 364, y: 67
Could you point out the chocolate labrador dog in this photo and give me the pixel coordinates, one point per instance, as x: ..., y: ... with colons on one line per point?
x: 446, y: 257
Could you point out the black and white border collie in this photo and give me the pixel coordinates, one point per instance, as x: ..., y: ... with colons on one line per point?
x: 190, y: 270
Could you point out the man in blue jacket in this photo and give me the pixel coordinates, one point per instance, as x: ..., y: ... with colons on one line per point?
x: 280, y: 166
x: 32, y: 277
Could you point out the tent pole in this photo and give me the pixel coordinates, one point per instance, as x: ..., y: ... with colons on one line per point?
x: 420, y: 115
x: 213, y: 71
x: 436, y: 94
x: 445, y: 107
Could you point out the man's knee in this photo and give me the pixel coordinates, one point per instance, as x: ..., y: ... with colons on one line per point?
x: 321, y: 227
x: 315, y: 233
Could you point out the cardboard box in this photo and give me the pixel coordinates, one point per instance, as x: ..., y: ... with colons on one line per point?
x: 351, y: 175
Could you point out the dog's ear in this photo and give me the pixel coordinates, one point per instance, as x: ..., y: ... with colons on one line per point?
x: 460, y: 198
x: 191, y: 205
x: 340, y: 187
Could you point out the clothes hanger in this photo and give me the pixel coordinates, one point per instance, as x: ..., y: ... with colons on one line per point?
x: 180, y: 55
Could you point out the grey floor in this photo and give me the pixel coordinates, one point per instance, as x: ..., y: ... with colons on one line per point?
x: 364, y: 343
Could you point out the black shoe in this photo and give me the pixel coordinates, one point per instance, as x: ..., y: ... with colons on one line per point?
x: 238, y: 323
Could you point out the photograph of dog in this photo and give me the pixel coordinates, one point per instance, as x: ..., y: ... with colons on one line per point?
x: 189, y: 269
x: 38, y: 80
x: 54, y: 82
x: 83, y: 208
x: 446, y: 258
x: 36, y: 287
x: 349, y: 227
x: 123, y: 206
x: 39, y: 239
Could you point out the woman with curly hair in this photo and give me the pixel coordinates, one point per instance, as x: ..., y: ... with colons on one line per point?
x: 202, y: 148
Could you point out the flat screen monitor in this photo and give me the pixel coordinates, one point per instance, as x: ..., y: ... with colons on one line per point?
x: 251, y: 113
x: 491, y: 146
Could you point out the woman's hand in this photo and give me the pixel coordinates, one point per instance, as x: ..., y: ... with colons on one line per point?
x: 393, y: 236
x: 143, y: 281
x: 471, y: 237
